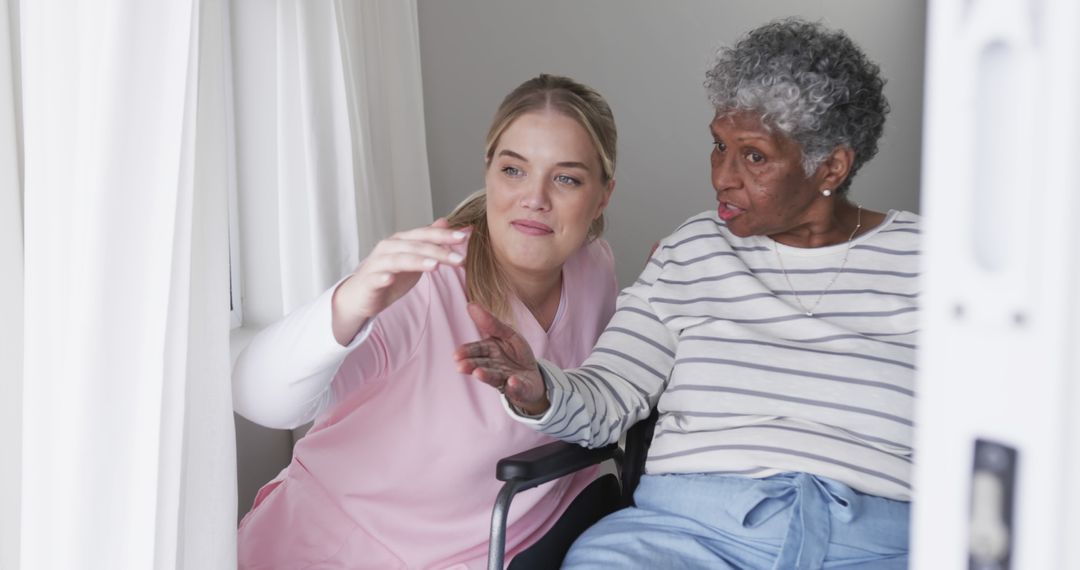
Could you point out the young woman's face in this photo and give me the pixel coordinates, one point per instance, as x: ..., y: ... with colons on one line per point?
x: 544, y: 188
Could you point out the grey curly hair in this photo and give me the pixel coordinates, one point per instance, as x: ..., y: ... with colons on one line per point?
x: 811, y: 83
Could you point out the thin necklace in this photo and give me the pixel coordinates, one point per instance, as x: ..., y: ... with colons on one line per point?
x: 810, y: 311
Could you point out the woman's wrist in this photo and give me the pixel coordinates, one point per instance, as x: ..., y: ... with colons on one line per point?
x: 345, y: 324
x: 535, y: 411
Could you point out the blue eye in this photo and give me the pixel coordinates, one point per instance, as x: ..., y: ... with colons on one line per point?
x: 512, y: 171
x: 567, y: 180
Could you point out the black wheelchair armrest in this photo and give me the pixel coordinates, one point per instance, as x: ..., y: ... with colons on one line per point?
x: 551, y: 461
x: 536, y: 467
x: 548, y: 462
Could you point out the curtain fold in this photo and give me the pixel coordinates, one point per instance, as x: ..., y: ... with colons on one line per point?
x: 11, y: 291
x: 387, y: 114
x: 332, y: 154
x: 331, y: 157
x: 204, y: 451
x: 316, y: 198
x: 127, y: 450
x: 206, y: 518
x: 127, y: 444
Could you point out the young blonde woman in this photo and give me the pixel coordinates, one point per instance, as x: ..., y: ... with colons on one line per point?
x: 398, y: 468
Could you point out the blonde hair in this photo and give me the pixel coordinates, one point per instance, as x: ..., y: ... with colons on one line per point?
x: 485, y: 282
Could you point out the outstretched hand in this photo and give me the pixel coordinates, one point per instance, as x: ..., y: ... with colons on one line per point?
x: 503, y: 360
x: 392, y: 268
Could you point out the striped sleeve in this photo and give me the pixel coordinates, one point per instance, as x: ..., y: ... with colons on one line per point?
x: 623, y: 377
x: 760, y: 358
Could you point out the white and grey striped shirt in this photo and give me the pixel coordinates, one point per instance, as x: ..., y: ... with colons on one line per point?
x: 744, y: 381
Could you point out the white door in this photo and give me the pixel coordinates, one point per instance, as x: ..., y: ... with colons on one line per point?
x: 1000, y: 358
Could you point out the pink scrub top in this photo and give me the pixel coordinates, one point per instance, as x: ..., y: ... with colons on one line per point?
x: 399, y: 470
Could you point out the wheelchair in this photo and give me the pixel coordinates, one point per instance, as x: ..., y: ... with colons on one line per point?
x: 546, y: 463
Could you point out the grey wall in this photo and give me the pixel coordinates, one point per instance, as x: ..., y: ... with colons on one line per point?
x: 648, y: 58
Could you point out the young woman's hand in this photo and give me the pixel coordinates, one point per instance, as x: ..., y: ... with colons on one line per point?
x: 389, y: 271
x: 504, y: 361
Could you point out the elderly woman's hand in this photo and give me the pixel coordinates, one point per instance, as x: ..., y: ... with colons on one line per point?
x: 503, y: 360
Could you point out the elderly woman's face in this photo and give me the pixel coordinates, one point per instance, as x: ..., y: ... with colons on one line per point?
x: 758, y: 177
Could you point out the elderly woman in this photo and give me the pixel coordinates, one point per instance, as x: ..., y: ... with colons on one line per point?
x: 775, y: 335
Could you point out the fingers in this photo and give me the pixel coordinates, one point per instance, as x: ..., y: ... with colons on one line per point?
x: 491, y: 377
x: 409, y: 261
x: 476, y: 356
x: 502, y: 360
x: 520, y: 391
x: 438, y: 232
x: 516, y: 388
x: 487, y: 324
x: 433, y: 248
x: 478, y: 349
x: 413, y: 251
x: 485, y: 362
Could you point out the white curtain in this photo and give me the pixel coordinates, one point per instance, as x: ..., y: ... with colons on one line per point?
x: 124, y: 428
x: 127, y: 442
x: 331, y: 157
x: 11, y: 292
x: 330, y: 140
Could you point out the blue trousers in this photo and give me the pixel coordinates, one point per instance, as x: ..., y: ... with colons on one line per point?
x: 784, y: 522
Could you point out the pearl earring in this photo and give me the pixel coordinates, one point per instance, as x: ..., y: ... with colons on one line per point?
x: 826, y: 192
